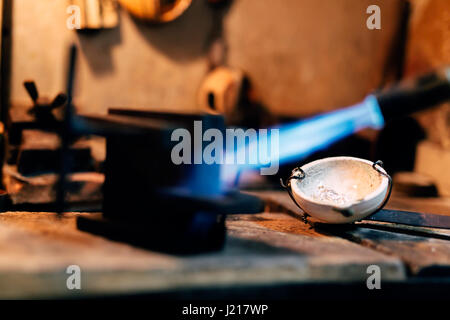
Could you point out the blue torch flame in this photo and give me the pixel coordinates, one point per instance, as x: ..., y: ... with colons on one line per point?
x: 301, y: 139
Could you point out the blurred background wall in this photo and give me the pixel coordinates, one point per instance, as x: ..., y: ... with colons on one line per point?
x: 303, y: 56
x: 428, y: 48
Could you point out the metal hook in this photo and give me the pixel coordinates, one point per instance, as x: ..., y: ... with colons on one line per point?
x: 379, y: 163
x: 297, y: 174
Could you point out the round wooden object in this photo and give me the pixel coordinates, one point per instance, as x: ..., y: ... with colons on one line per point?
x: 156, y: 10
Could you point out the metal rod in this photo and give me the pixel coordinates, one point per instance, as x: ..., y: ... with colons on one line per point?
x: 65, y: 134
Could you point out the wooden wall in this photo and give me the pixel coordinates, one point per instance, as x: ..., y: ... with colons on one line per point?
x: 304, y: 56
x: 429, y: 48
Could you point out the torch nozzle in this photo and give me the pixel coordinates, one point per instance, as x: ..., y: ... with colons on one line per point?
x: 415, y: 95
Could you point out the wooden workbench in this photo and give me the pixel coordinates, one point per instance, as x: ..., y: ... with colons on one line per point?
x: 271, y: 254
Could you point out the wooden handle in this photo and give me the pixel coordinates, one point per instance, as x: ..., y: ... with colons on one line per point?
x: 156, y: 10
x: 97, y: 14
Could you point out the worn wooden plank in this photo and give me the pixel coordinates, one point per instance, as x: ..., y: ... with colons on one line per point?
x: 425, y: 251
x: 424, y: 255
x: 328, y: 257
x: 36, y: 249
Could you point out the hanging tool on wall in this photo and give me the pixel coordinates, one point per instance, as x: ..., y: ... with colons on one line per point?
x: 156, y: 11
x: 97, y: 14
x: 227, y: 90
